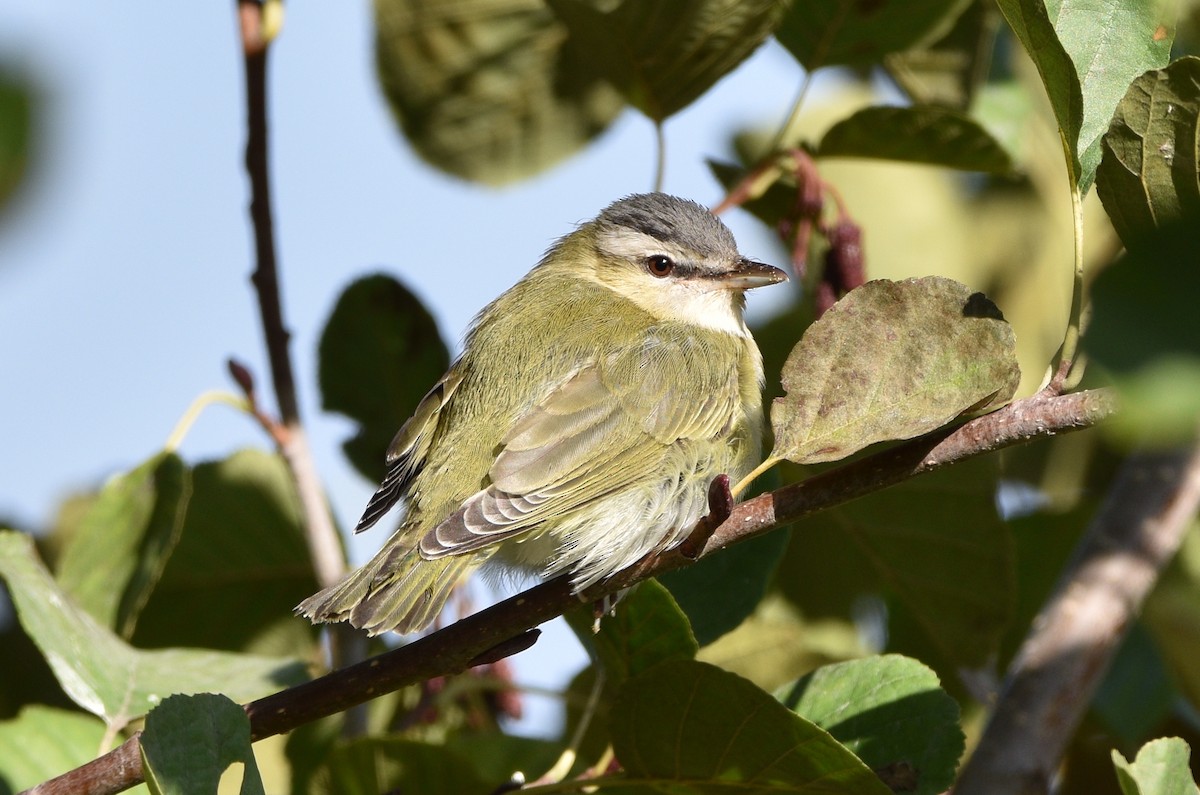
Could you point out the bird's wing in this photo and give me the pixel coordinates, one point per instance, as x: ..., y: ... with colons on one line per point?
x: 410, y: 446
x: 606, y: 428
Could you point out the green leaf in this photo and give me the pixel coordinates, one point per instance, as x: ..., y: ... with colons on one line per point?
x: 1144, y: 332
x: 647, y: 628
x: 853, y: 33
x: 106, y: 676
x: 371, y: 765
x: 719, y: 591
x: 1030, y: 21
x: 891, y: 712
x: 663, y: 55
x: 116, y: 556
x: 189, y: 741
x: 16, y: 132
x: 950, y: 71
x: 380, y: 352
x: 240, y: 566
x: 892, y: 360
x: 1161, y: 768
x: 489, y: 91
x: 690, y: 727
x: 917, y: 134
x: 1149, y: 175
x: 43, y: 742
x: 1135, y: 696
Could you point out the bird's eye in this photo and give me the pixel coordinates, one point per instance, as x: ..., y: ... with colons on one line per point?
x: 660, y: 265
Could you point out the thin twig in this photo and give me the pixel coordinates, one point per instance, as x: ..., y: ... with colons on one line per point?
x: 453, y: 648
x: 1051, y: 681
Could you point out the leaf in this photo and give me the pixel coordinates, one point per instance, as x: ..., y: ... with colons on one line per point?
x: 951, y: 70
x: 371, y: 765
x: 1087, y: 52
x: 686, y: 726
x: 891, y: 712
x: 917, y: 134
x: 647, y: 628
x: 380, y: 352
x: 106, y: 676
x: 189, y: 741
x: 853, y: 33
x: 116, y: 556
x: 719, y: 591
x: 1149, y: 175
x: 1161, y: 768
x: 663, y: 55
x: 1136, y: 695
x: 44, y: 742
x: 17, y: 100
x: 891, y: 360
x: 1144, y: 332
x: 240, y: 566
x: 488, y: 91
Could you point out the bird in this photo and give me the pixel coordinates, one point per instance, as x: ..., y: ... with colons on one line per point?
x: 579, y: 430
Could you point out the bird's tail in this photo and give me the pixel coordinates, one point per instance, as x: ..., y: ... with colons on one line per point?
x: 397, y: 590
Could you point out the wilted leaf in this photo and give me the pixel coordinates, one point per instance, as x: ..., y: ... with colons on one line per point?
x: 664, y: 55
x: 240, y: 566
x: 114, y: 559
x: 44, y: 742
x: 380, y: 353
x: 647, y: 628
x: 951, y: 70
x: 488, y: 91
x: 1161, y: 768
x: 917, y: 134
x: 690, y: 727
x: 849, y: 32
x: 392, y: 764
x: 104, y: 675
x: 189, y: 741
x: 890, y: 711
x: 1149, y: 175
x: 891, y: 360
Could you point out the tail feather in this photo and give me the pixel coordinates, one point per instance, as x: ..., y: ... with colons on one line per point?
x: 397, y: 590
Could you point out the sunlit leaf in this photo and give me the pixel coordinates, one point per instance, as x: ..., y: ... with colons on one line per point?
x: 106, y: 676
x: 664, y: 55
x: 917, y: 134
x: 189, y: 741
x: 1161, y: 768
x: 44, y: 742
x: 1149, y: 175
x: 891, y: 360
x: 489, y: 91
x: 849, y: 32
x: 380, y: 353
x: 690, y: 727
x: 891, y: 712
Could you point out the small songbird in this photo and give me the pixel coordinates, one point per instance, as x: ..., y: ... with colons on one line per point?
x: 579, y: 431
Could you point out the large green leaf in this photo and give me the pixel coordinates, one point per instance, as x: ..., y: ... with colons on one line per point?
x: 849, y: 32
x: 189, y: 741
x: 664, y: 55
x: 891, y: 712
x: 380, y: 352
x: 371, y: 765
x: 688, y: 727
x: 1149, y: 175
x: 951, y: 70
x: 102, y: 673
x: 16, y: 132
x: 240, y: 566
x: 44, y: 742
x: 891, y: 360
x: 491, y: 91
x: 917, y: 134
x: 115, y: 557
x: 1161, y: 768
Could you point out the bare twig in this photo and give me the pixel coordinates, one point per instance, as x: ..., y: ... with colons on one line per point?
x: 1051, y: 681
x: 459, y: 645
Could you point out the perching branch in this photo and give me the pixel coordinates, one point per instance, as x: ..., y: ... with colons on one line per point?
x: 509, y: 626
x: 1051, y: 680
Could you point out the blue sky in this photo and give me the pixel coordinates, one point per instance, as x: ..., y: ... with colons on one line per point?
x: 124, y: 267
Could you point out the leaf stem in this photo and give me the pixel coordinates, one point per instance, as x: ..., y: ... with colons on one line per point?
x: 787, y: 129
x: 203, y: 401
x: 745, y: 482
x: 1069, y: 351
x: 660, y: 156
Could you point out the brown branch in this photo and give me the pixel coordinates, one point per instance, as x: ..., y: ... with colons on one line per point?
x: 505, y: 628
x: 1062, y: 661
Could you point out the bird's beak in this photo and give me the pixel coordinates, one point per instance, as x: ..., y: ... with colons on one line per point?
x: 748, y: 274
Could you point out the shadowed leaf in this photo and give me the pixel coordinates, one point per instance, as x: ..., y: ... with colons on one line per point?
x: 392, y: 764
x: 950, y: 71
